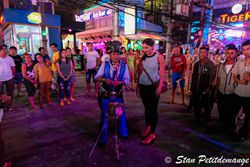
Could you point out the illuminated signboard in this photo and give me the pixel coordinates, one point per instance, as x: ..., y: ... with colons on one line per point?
x: 35, y: 18
x: 93, y: 15
x: 129, y: 24
x: 237, y: 8
x: 225, y: 18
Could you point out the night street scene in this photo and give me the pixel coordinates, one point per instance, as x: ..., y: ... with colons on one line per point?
x: 122, y: 83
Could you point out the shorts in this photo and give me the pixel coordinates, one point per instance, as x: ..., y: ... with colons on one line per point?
x: 18, y: 78
x: 7, y: 87
x: 89, y: 73
x: 73, y: 77
x: 31, y: 90
x: 176, y: 77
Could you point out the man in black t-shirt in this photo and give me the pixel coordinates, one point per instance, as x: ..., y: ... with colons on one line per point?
x: 18, y: 62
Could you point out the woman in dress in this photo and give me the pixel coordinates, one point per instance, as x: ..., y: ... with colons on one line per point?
x: 131, y: 67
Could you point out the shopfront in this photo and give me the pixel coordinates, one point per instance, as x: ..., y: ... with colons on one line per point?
x: 23, y: 30
x: 228, y: 26
x: 102, y: 25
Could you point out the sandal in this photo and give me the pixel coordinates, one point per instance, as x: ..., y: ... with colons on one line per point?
x: 146, y: 132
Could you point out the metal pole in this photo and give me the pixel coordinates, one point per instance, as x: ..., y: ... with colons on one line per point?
x: 43, y: 25
x: 116, y: 23
x: 169, y: 32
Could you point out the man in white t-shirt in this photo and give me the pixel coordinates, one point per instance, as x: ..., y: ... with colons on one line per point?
x: 92, y: 60
x: 226, y: 87
x: 7, y: 71
x: 241, y: 75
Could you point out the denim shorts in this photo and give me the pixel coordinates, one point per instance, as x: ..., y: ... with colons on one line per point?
x: 176, y: 77
x: 90, y: 73
x: 18, y: 78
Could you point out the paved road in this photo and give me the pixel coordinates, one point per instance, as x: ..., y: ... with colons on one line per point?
x: 64, y: 136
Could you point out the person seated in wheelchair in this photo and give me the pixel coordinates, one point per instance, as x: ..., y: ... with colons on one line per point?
x: 113, y: 74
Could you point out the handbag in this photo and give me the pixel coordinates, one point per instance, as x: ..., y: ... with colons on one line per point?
x: 164, y: 87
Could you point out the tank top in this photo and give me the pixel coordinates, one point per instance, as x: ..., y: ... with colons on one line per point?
x: 29, y: 72
x: 151, y: 65
x: 131, y: 62
x: 65, y: 68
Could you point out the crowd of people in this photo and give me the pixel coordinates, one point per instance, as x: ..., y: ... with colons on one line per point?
x: 215, y: 78
x: 206, y: 80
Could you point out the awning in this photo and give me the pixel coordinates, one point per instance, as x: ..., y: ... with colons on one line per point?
x: 96, y: 35
x: 141, y: 36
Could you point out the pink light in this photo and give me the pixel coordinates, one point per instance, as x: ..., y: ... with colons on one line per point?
x: 70, y: 30
x: 234, y: 33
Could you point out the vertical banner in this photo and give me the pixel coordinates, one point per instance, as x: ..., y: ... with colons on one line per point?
x: 130, y: 21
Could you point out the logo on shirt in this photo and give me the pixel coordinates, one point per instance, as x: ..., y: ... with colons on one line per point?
x: 177, y: 59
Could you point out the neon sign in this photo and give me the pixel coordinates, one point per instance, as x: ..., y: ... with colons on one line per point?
x: 91, y: 15
x: 237, y: 8
x: 1, y: 19
x: 225, y: 18
x: 35, y: 18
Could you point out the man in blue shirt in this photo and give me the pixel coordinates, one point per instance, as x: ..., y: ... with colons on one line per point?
x: 113, y: 75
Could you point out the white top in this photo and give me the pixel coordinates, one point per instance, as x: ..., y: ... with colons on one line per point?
x: 105, y: 57
x: 151, y: 65
x: 5, y: 68
x: 91, y: 59
x: 228, y: 67
x: 239, y: 69
x: 241, y: 58
x: 101, y: 71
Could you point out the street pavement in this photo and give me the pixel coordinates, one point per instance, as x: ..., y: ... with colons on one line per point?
x: 64, y: 136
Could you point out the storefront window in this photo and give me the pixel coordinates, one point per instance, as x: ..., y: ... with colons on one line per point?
x: 68, y: 40
x: 28, y: 38
x: 8, y: 36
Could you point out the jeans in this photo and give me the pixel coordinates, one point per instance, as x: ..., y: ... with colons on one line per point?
x: 123, y: 130
x: 202, y: 101
x: 245, y: 103
x: 225, y: 104
x: 64, y: 87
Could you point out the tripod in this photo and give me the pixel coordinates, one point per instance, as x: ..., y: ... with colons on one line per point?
x: 115, y: 112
